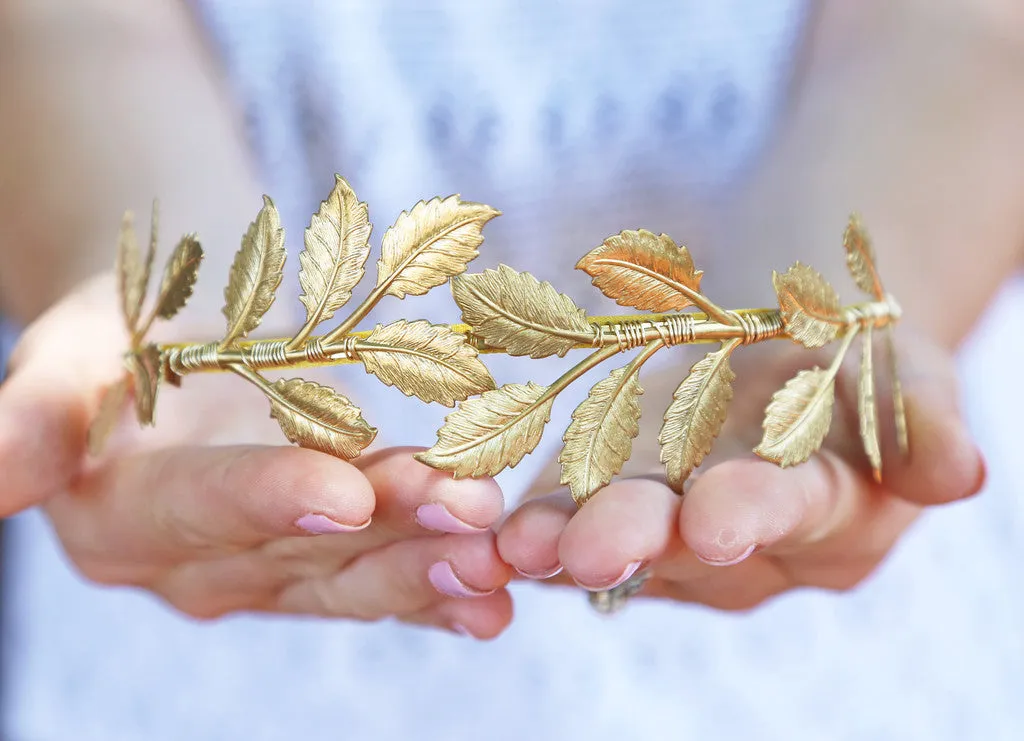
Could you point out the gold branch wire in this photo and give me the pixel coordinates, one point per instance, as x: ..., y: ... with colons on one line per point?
x: 503, y: 311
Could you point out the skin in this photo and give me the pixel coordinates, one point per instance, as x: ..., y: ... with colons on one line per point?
x: 204, y: 510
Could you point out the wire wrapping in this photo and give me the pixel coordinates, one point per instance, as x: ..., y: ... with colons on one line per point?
x: 757, y: 327
x: 266, y: 354
x: 348, y: 350
x: 182, y: 360
x: 677, y: 329
x: 314, y: 350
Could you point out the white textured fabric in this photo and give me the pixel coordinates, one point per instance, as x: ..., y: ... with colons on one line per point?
x: 537, y: 107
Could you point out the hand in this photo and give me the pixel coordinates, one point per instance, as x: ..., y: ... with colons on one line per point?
x: 215, y: 529
x: 747, y: 530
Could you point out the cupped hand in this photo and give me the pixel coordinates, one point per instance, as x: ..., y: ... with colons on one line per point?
x: 747, y: 530
x: 216, y: 528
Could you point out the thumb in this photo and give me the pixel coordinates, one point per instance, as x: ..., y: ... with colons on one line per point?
x: 57, y: 375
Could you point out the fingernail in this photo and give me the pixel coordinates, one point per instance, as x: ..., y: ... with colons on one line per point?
x: 541, y: 575
x: 324, y: 525
x: 462, y: 630
x: 627, y: 572
x: 442, y: 576
x: 982, y: 475
x: 729, y: 561
x: 437, y: 517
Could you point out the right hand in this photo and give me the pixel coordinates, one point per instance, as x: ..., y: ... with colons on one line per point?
x: 216, y: 528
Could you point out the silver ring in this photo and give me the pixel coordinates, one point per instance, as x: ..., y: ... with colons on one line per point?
x: 610, y: 601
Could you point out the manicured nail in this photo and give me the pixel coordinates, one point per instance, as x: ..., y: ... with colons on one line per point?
x: 324, y: 525
x: 437, y: 517
x: 443, y: 577
x: 541, y: 575
x: 729, y: 561
x: 627, y: 572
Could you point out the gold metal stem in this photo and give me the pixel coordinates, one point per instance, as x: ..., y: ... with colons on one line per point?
x: 616, y: 332
x: 143, y: 330
x: 248, y: 374
x: 358, y: 314
x: 848, y: 338
x: 303, y: 335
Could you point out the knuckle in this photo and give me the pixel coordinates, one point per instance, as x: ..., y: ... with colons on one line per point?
x: 107, y: 573
x: 295, y: 559
x: 94, y: 571
x: 190, y: 604
x: 325, y: 599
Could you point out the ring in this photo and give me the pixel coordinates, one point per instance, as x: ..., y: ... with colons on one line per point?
x: 610, y: 601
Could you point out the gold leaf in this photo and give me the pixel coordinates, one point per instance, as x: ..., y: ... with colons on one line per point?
x: 899, y: 406
x: 866, y: 407
x: 860, y: 258
x: 318, y: 417
x: 599, y: 439
x: 255, y: 274
x: 643, y: 270
x: 517, y: 313
x: 696, y: 415
x: 145, y: 369
x: 798, y: 418
x: 154, y: 232
x: 491, y: 432
x: 179, y: 277
x: 131, y: 276
x: 109, y: 414
x: 337, y: 245
x: 425, y: 360
x: 810, y: 306
x: 430, y: 244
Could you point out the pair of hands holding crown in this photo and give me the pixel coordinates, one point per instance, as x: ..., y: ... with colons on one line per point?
x: 210, y: 512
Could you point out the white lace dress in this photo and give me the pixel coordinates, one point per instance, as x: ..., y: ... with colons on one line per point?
x: 551, y: 112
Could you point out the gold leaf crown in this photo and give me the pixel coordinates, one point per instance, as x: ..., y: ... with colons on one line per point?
x: 505, y: 311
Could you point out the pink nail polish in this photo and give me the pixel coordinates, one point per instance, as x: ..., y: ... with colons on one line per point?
x: 541, y: 575
x: 627, y: 572
x: 437, y: 517
x: 445, y: 581
x: 323, y: 525
x: 730, y: 561
x: 462, y: 630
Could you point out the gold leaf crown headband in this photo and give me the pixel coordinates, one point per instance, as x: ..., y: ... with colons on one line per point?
x: 505, y: 311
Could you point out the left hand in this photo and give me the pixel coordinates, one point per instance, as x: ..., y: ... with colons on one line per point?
x: 747, y: 530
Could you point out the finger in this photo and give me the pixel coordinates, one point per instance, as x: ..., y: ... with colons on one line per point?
x: 58, y: 371
x: 528, y: 539
x: 185, y: 503
x: 944, y: 463
x: 483, y: 618
x: 822, y: 510
x: 413, y: 498
x: 404, y: 578
x: 253, y: 580
x: 624, y: 525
